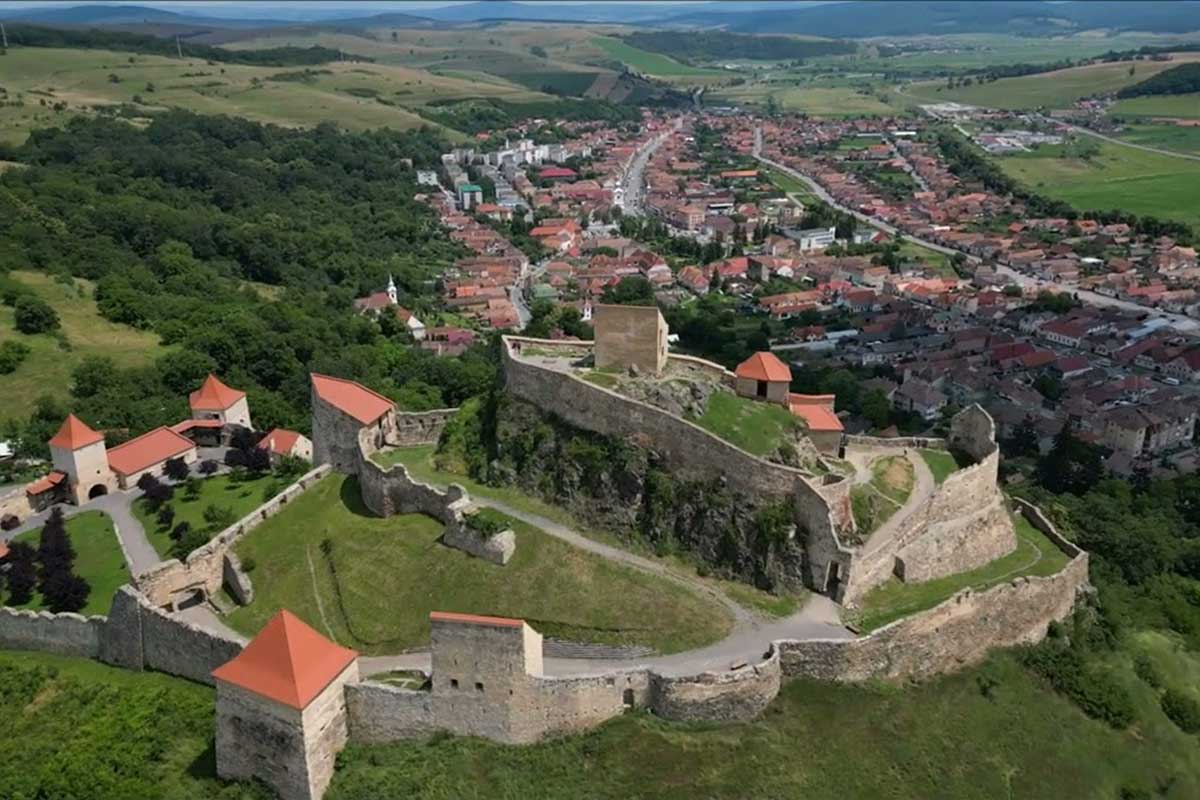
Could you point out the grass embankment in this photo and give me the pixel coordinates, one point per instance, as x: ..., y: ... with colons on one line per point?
x: 421, y: 466
x: 98, y: 560
x: 1034, y: 555
x: 1116, y: 177
x: 393, y: 572
x: 755, y: 426
x: 78, y: 730
x: 47, y: 369
x: 942, y: 739
x: 940, y: 463
x: 875, y: 502
x: 221, y: 491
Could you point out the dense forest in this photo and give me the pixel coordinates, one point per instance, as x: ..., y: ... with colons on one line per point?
x: 1183, y: 79
x: 37, y: 36
x: 241, y: 245
x: 721, y: 44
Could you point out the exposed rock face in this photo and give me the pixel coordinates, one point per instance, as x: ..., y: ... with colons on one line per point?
x: 623, y: 486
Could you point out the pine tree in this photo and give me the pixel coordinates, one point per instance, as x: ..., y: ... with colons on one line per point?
x: 22, y: 573
x: 54, y: 552
x: 66, y: 591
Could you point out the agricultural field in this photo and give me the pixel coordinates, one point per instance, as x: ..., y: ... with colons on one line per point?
x: 651, y: 63
x: 98, y: 560
x: 1117, y: 177
x: 375, y: 582
x: 819, y: 101
x: 1178, y: 106
x: 1180, y: 138
x: 47, y: 369
x: 1057, y: 89
x: 356, y: 96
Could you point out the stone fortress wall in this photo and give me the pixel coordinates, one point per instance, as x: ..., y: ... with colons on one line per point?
x: 15, y: 503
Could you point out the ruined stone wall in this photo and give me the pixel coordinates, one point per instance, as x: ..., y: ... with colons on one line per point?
x: 825, y: 555
x: 898, y: 442
x: 16, y: 503
x: 630, y: 336
x: 382, y: 713
x: 973, y: 431
x: 419, y: 427
x: 206, y: 567
x: 958, y: 546
x: 177, y: 647
x: 63, y: 634
x: 724, y: 696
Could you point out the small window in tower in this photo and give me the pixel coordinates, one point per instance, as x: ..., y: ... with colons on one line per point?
x: 479, y: 687
x: 454, y: 683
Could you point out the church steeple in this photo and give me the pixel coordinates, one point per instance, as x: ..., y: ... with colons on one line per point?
x: 391, y: 291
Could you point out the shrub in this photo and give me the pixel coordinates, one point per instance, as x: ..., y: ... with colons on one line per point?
x: 166, y: 515
x: 176, y: 469
x: 180, y: 531
x: 34, y: 315
x: 146, y: 481
x: 219, y: 517
x: 248, y: 564
x: 191, y: 489
x: 1092, y: 689
x: 1145, y: 668
x: 208, y: 466
x: 486, y: 523
x: 1182, y: 709
x: 11, y: 355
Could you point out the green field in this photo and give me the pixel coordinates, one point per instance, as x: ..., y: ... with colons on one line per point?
x: 756, y: 427
x: 221, y: 491
x: 1035, y: 555
x: 651, y: 63
x: 393, y: 572
x: 1057, y: 89
x: 1179, y: 138
x: 940, y: 463
x: 47, y: 370
x: 1118, y: 177
x: 875, y: 502
x: 355, y: 96
x: 98, y: 560
x: 820, y: 101
x: 1183, y: 106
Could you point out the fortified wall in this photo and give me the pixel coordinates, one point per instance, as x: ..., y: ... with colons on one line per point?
x: 963, y: 524
x: 16, y: 504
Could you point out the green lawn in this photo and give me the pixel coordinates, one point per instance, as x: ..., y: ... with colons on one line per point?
x: 937, y: 740
x: 98, y: 560
x: 421, y: 465
x: 220, y: 490
x: 940, y: 463
x: 755, y: 426
x: 790, y: 185
x: 1185, y: 106
x: 651, y: 63
x: 939, y: 262
x: 393, y: 572
x: 1035, y: 555
x: 1118, y: 177
x: 79, y: 730
x: 47, y: 369
x: 1180, y: 138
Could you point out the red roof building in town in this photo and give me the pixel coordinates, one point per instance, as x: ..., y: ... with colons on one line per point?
x: 351, y: 398
x: 287, y: 662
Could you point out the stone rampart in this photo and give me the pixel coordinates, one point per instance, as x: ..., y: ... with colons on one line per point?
x: 419, y: 427
x: 738, y: 695
x: 206, y: 567
x: 391, y: 490
x: 63, y: 634
x: 898, y: 442
x: 177, y: 647
x: 382, y: 713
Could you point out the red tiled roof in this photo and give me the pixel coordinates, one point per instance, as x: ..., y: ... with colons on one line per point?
x: 764, y: 367
x: 351, y: 398
x: 475, y: 619
x: 74, y: 434
x: 188, y: 424
x: 816, y: 410
x: 45, y: 484
x: 279, y: 441
x: 287, y: 662
x: 147, y: 450
x: 213, y: 396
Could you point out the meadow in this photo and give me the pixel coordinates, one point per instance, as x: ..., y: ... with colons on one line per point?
x: 388, y: 574
x: 1058, y: 89
x: 1182, y: 106
x: 47, y: 369
x: 1117, y: 177
x: 650, y: 63
x: 1180, y: 138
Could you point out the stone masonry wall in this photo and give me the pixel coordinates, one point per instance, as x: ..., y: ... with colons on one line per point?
x: 177, y: 647
x: 419, y: 427
x: 891, y: 443
x: 726, y: 696
x: 16, y: 503
x: 382, y: 713
x: 205, y: 568
x: 63, y: 634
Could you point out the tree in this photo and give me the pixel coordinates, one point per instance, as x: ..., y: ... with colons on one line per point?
x: 93, y: 375
x: 180, y: 531
x: 158, y: 494
x: 147, y: 481
x: 258, y: 460
x: 208, y: 466
x: 632, y: 290
x: 1024, y: 439
x: 1072, y: 465
x: 34, y: 315
x: 166, y: 515
x: 22, y: 573
x: 66, y: 591
x: 177, y: 469
x: 54, y: 553
x: 876, y: 408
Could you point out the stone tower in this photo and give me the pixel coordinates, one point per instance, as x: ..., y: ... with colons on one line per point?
x: 216, y: 401
x: 78, y: 452
x: 281, y: 709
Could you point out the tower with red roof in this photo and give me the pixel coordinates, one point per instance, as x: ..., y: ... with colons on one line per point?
x: 216, y: 401
x: 80, y: 462
x: 281, y: 708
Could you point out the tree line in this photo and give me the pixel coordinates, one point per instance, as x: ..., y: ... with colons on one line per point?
x: 1183, y: 79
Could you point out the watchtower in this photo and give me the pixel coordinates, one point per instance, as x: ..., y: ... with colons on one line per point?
x: 630, y: 336
x: 78, y: 452
x: 281, y: 708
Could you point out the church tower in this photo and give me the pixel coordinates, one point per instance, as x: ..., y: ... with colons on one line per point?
x: 391, y: 291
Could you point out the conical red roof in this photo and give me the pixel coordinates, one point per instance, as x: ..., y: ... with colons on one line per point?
x: 74, y: 434
x: 213, y: 396
x: 287, y: 662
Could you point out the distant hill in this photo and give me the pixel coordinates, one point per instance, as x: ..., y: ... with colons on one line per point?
x: 126, y: 16
x: 1183, y: 79
x: 690, y: 45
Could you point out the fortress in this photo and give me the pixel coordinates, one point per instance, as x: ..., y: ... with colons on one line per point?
x: 289, y: 700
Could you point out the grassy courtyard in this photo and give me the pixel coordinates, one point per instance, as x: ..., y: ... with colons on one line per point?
x: 1034, y: 555
x: 940, y: 463
x: 875, y: 502
x: 755, y: 426
x: 238, y: 498
x: 392, y: 572
x: 98, y: 560
x: 47, y: 369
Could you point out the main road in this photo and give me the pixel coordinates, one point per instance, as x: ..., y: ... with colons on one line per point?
x: 632, y: 182
x: 1180, y: 322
